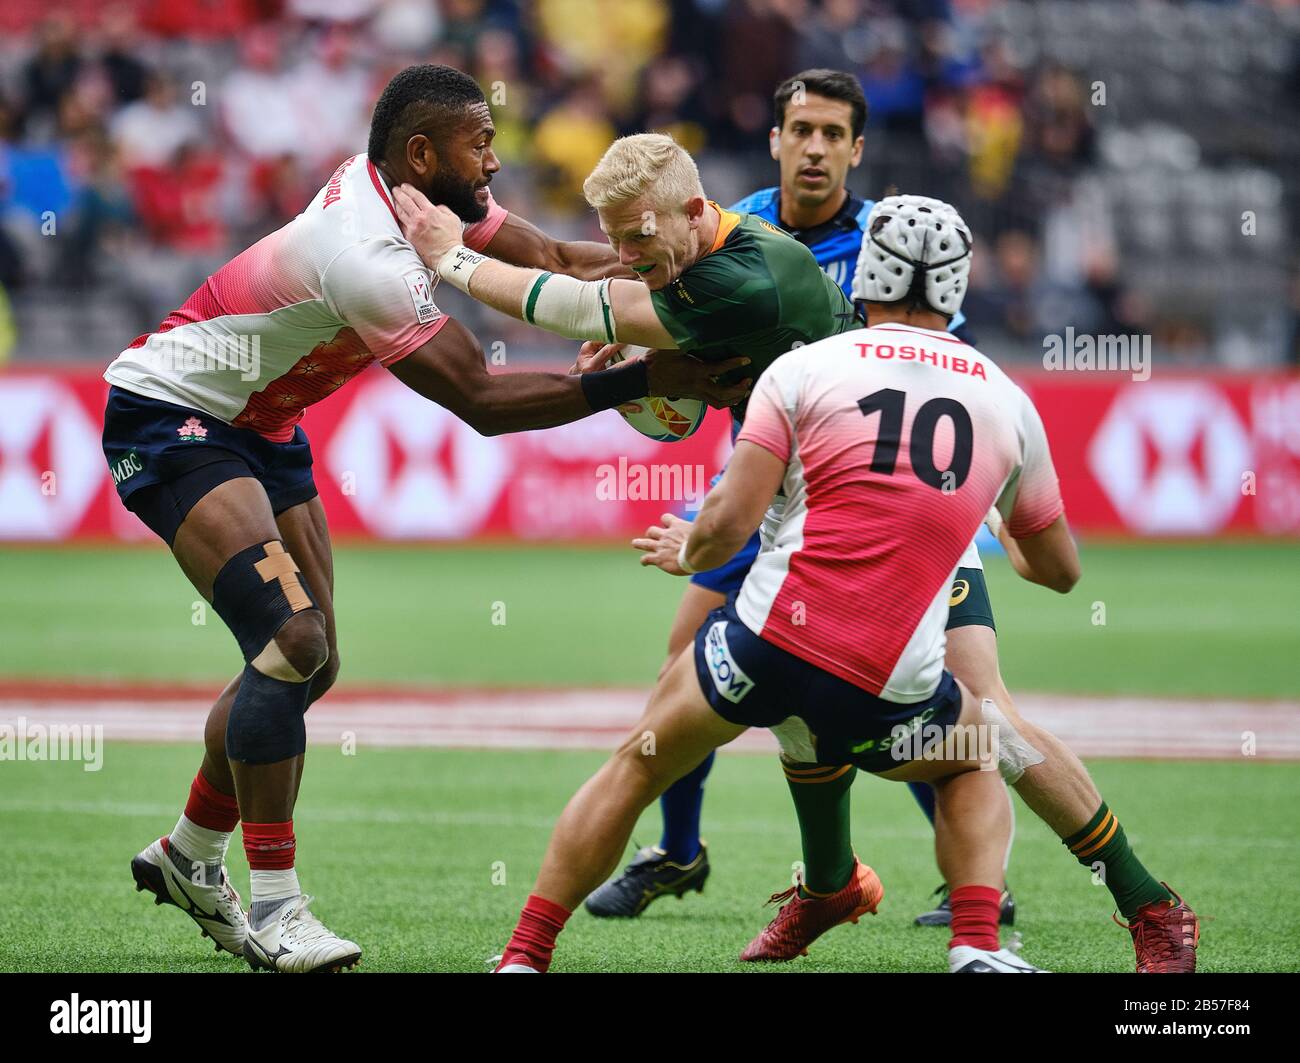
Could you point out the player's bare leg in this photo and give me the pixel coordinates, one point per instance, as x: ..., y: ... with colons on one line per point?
x: 1054, y: 783
x: 1058, y: 788
x: 233, y: 552
x: 971, y: 818
x: 677, y: 730
x: 306, y: 537
x: 187, y: 868
x: 972, y: 827
x: 969, y: 659
x: 680, y: 862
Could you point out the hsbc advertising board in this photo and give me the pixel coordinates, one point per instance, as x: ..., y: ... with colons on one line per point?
x: 1177, y: 456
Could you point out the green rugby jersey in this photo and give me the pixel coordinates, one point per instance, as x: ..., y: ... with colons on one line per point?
x: 756, y: 292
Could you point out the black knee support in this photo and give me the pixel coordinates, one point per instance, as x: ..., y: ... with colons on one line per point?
x: 266, y: 721
x: 256, y: 591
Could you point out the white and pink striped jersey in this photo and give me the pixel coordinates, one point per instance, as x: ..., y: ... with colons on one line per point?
x: 298, y: 314
x: 897, y: 441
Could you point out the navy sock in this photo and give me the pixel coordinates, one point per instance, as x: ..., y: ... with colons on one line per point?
x: 680, y: 805
x: 924, y: 794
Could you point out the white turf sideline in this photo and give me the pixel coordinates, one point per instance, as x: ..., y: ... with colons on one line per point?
x: 1164, y: 728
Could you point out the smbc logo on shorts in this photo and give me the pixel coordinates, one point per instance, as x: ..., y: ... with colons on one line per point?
x: 732, y: 683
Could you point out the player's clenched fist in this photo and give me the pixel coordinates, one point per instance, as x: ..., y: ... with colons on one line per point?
x: 432, y: 230
x: 663, y: 544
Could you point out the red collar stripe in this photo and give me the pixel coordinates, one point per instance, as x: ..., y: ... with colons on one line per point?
x: 383, y: 192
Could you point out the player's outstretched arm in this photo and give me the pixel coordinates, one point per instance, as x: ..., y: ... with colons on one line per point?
x: 521, y: 243
x: 731, y: 512
x: 451, y: 370
x: 1039, y: 551
x: 605, y: 310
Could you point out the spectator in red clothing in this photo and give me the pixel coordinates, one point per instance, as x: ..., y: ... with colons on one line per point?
x: 278, y: 189
x: 179, y: 204
x: 204, y: 18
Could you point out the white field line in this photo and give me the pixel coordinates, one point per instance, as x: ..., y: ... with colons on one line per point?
x: 1164, y: 728
x: 917, y: 829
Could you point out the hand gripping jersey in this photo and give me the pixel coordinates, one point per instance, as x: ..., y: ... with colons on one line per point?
x: 755, y: 292
x: 897, y: 441
x: 298, y: 314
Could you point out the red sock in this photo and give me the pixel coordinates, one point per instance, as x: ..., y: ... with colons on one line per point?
x: 975, y: 911
x: 269, y: 846
x: 534, y: 938
x: 209, y: 807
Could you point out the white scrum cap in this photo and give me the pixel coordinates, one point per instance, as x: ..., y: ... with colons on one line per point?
x: 910, y: 233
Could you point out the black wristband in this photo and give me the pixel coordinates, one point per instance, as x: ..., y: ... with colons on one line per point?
x: 613, y: 387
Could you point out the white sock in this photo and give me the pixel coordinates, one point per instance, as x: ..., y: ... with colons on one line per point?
x: 274, y: 885
x: 199, y: 843
x: 272, y: 890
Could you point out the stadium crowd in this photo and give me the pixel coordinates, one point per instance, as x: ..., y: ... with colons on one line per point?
x: 152, y: 139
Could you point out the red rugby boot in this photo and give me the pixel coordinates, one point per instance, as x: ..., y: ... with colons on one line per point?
x: 1165, y: 936
x: 801, y: 921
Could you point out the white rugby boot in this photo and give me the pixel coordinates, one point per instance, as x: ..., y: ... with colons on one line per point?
x: 965, y: 959
x: 296, y: 942
x: 215, y: 907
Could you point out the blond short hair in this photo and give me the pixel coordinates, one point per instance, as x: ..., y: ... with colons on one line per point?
x: 644, y: 163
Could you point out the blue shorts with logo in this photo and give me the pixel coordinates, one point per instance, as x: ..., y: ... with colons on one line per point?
x: 755, y: 683
x: 165, y: 457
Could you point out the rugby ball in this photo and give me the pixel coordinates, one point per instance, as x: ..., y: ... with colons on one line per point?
x: 663, y: 419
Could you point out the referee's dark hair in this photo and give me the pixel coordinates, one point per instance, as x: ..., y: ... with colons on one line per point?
x: 833, y: 84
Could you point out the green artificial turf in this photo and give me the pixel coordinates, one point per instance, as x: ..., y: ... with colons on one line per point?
x: 1216, y: 619
x: 425, y: 857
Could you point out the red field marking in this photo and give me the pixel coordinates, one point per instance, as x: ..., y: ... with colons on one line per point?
x: 597, y: 718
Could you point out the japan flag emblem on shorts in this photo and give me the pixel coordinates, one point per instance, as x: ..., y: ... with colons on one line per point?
x: 421, y: 289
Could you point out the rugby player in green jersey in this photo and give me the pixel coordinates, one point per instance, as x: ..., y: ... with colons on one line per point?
x: 726, y: 288
x: 717, y: 285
